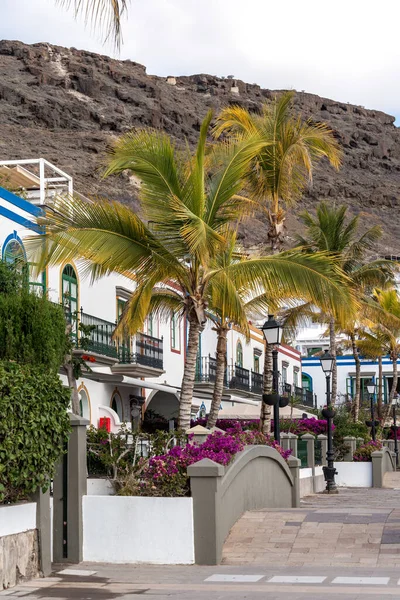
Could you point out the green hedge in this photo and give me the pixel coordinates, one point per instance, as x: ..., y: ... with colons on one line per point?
x: 34, y: 427
x: 32, y: 330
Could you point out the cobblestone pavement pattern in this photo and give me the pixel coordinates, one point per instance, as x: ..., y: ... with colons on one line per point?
x: 357, y: 527
x: 340, y: 546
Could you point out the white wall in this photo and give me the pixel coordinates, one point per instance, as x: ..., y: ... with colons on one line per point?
x: 16, y: 518
x: 99, y: 487
x: 354, y: 474
x: 123, y: 529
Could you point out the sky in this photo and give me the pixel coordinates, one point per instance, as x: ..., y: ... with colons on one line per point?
x: 347, y: 50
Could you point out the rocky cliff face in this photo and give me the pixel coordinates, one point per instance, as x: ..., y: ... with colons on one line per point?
x: 67, y: 105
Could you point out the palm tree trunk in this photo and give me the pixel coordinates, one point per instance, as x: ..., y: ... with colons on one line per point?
x: 219, y: 378
x: 356, y: 399
x: 68, y: 366
x: 275, y: 231
x: 395, y: 378
x: 332, y: 349
x: 265, y: 414
x: 380, y: 387
x: 189, y: 374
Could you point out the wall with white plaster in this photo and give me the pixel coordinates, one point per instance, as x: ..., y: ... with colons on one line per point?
x: 125, y: 529
x: 99, y: 487
x: 354, y: 474
x: 17, y: 518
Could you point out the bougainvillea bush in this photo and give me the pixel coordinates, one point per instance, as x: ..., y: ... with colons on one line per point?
x: 166, y: 474
x: 296, y: 426
x: 364, y: 452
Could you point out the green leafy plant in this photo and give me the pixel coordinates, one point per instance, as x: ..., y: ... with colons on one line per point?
x: 32, y: 329
x: 34, y: 428
x: 364, y: 452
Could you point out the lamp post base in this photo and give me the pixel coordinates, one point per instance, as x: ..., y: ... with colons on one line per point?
x: 329, y: 475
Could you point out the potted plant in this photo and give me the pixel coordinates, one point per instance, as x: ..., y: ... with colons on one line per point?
x: 328, y: 412
x: 271, y: 398
x: 283, y: 401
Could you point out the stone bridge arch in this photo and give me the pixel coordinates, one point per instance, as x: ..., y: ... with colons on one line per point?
x: 258, y: 478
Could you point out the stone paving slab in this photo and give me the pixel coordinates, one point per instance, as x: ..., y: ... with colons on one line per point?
x: 347, y: 529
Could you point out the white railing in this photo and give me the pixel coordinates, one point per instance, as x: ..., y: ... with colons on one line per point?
x: 47, y: 180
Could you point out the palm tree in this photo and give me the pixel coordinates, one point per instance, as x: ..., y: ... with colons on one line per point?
x: 372, y: 344
x: 238, y: 284
x: 389, y: 334
x: 186, y: 215
x: 330, y: 231
x: 236, y: 287
x: 105, y: 14
x: 188, y: 210
x: 284, y: 167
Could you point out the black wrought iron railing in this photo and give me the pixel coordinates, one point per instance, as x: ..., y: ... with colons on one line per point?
x: 239, y: 378
x: 236, y: 377
x: 100, y: 337
x: 256, y: 382
x: 206, y: 369
x: 306, y: 397
x: 148, y: 351
x: 298, y: 391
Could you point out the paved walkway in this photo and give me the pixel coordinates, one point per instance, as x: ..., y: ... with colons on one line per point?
x: 275, y: 582
x: 357, y: 528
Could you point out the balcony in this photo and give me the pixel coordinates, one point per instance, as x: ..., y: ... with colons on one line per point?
x: 239, y: 379
x: 256, y: 382
x: 306, y: 397
x: 97, y: 342
x: 236, y: 377
x: 206, y: 369
x: 142, y: 356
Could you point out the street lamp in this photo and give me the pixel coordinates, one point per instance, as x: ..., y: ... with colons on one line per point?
x: 327, y: 362
x: 272, y: 331
x: 394, y: 428
x: 371, y: 391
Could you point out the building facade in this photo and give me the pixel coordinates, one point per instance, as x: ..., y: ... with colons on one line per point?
x: 314, y: 378
x: 126, y: 377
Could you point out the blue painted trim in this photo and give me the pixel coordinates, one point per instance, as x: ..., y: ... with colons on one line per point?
x: 352, y: 364
x: 9, y: 238
x: 20, y: 220
x: 21, y: 203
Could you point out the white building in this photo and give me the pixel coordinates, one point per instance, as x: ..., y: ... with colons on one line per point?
x: 146, y: 370
x: 314, y: 378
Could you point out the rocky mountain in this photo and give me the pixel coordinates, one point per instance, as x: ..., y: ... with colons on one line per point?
x: 67, y: 105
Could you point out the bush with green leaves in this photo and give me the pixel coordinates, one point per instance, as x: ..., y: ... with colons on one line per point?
x: 34, y: 428
x: 32, y: 329
x: 345, y: 427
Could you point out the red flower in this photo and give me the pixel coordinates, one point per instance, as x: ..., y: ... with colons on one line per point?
x: 88, y: 358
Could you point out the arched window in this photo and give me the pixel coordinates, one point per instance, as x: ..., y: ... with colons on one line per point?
x: 116, y: 405
x: 239, y: 354
x: 14, y: 253
x: 306, y: 382
x: 70, y: 297
x: 84, y: 407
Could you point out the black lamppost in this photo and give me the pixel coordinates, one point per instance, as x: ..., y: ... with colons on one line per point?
x: 394, y: 429
x: 371, y: 392
x: 327, y: 361
x: 272, y: 331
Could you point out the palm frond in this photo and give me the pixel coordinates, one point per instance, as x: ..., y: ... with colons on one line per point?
x: 106, y: 14
x: 109, y: 235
